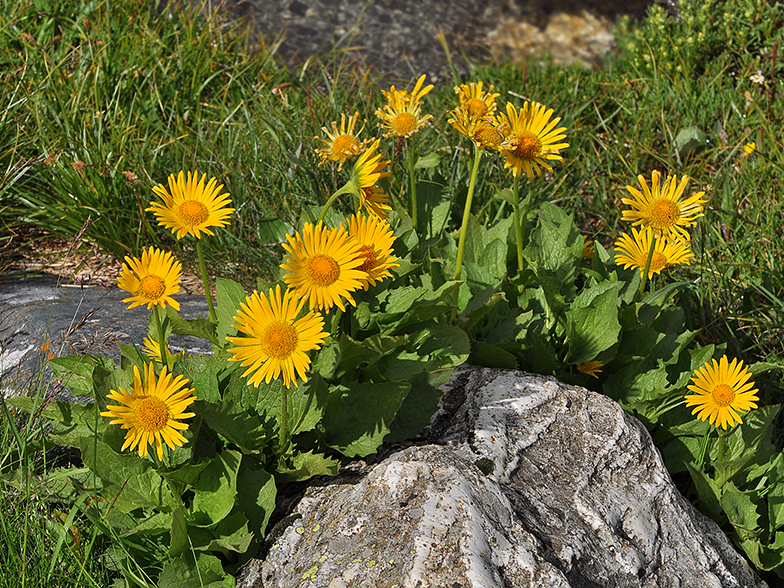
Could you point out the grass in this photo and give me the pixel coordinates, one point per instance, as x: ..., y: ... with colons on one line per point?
x: 97, y: 105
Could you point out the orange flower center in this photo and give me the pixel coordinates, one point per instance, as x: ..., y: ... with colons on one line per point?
x: 370, y: 259
x: 151, y: 413
x: 658, y: 262
x: 723, y: 395
x: 279, y: 339
x: 151, y: 287
x: 403, y: 124
x: 192, y: 213
x: 322, y: 270
x: 487, y: 135
x: 664, y: 213
x: 476, y: 107
x: 344, y: 146
x: 528, y: 146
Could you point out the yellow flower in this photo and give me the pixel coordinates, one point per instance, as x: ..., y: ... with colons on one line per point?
x: 661, y: 207
x: 750, y: 148
x: 633, y: 251
x: 477, y: 103
x: 191, y: 207
x: 531, y: 139
x: 152, y: 280
x: 376, y: 239
x: 402, y: 116
x: 589, y: 248
x: 591, y: 368
x: 152, y: 349
x: 323, y: 266
x: 152, y: 410
x: 368, y: 170
x: 341, y: 143
x: 276, y: 342
x: 721, y: 392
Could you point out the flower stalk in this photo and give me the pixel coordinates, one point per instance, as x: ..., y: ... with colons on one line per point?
x: 206, y: 280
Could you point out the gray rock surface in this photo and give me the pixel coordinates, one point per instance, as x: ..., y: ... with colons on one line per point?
x: 524, y: 482
x: 74, y: 319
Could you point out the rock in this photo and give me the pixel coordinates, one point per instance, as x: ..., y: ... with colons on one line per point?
x: 528, y: 482
x: 73, y: 319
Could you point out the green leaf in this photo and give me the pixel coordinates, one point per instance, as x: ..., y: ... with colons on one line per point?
x: 202, y: 371
x: 229, y: 295
x: 215, y: 490
x: 156, y: 524
x: 741, y: 511
x: 306, y: 404
x: 360, y: 415
x: 419, y: 405
x: 131, y: 356
x: 303, y: 466
x: 256, y: 494
x: 271, y: 231
x: 428, y: 161
x: 78, y: 372
x: 592, y: 322
x: 202, y: 571
x: 491, y: 356
x: 708, y: 493
x: 178, y: 533
x: 199, y: 327
x: 555, y: 248
x: 690, y: 140
x: 231, y: 534
x: 432, y: 348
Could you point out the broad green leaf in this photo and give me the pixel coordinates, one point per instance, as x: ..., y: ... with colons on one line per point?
x: 427, y: 161
x: 229, y: 295
x: 491, y: 356
x: 178, y: 533
x: 708, y: 493
x: 130, y: 355
x: 256, y: 494
x: 419, y: 405
x: 592, y: 322
x: 203, y: 571
x: 555, y: 247
x: 360, y: 415
x: 271, y: 231
x: 303, y: 466
x: 741, y: 511
x: 202, y: 371
x: 198, y: 327
x: 215, y: 490
x: 231, y: 534
x: 154, y: 525
x: 433, y: 348
x: 78, y: 372
x: 306, y: 404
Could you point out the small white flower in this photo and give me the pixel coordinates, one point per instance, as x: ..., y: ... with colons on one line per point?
x: 757, y: 78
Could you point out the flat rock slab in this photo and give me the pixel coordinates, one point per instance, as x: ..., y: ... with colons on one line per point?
x: 74, y: 320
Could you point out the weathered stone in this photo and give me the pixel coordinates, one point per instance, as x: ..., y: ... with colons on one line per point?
x: 529, y: 482
x: 73, y: 319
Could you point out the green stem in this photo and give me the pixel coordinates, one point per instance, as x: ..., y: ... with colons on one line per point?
x: 284, y: 421
x: 644, y: 280
x: 722, y: 443
x: 704, y: 447
x: 466, y: 214
x: 159, y: 335
x: 518, y: 222
x: 412, y: 180
x: 348, y: 188
x: 206, y: 280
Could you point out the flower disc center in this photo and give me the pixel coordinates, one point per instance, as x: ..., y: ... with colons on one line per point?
x: 723, y: 395
x: 476, y: 107
x: 658, y: 262
x: 488, y: 136
x: 322, y: 270
x: 404, y: 123
x: 344, y: 146
x: 151, y: 287
x: 151, y: 413
x: 527, y: 145
x: 369, y: 254
x: 279, y: 339
x: 192, y: 212
x: 664, y: 213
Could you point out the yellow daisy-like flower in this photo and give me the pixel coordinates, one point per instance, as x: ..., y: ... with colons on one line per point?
x: 591, y: 368
x: 661, y: 207
x: 323, y: 266
x: 482, y: 132
x: 277, y: 342
x: 342, y: 143
x: 152, y: 349
x: 721, y: 391
x: 152, y: 280
x: 376, y: 239
x: 476, y: 102
x: 531, y: 139
x: 368, y: 170
x: 633, y: 251
x: 402, y: 116
x: 589, y: 248
x: 192, y: 207
x: 750, y: 148
x: 152, y: 410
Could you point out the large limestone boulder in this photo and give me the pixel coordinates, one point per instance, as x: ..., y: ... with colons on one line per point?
x: 520, y: 481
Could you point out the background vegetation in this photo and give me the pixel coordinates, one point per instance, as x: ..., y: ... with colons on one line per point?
x: 97, y: 105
